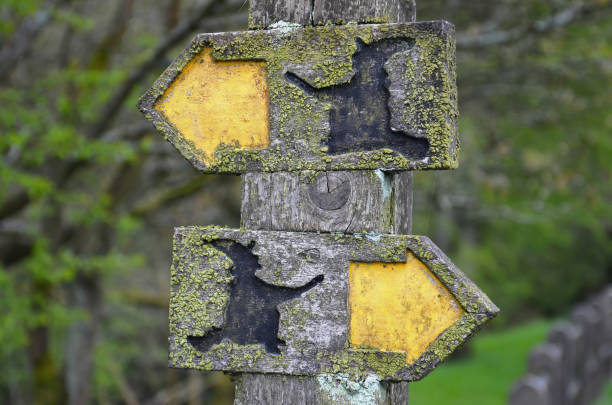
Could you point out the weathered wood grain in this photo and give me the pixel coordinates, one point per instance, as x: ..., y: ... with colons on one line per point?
x: 327, y: 390
x: 277, y: 302
x: 402, y: 202
x: 349, y: 202
x: 398, y: 393
x: 353, y: 97
x: 264, y: 13
x: 363, y: 11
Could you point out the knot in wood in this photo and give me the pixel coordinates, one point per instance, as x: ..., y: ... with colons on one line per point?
x: 330, y: 191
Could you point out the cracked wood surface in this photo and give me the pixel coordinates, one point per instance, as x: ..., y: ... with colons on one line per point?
x: 349, y: 202
x: 264, y: 13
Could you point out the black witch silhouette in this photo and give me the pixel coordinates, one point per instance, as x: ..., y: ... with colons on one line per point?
x: 252, y: 316
x: 359, y: 116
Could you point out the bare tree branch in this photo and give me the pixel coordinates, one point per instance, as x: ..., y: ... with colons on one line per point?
x: 21, y: 41
x: 128, y: 132
x: 20, y: 199
x: 113, y: 106
x: 15, y: 243
x: 144, y: 298
x: 172, y: 14
x: 170, y: 195
x: 177, y: 394
x: 222, y: 22
x: 560, y: 19
x: 13, y: 204
x: 123, y: 14
x: 127, y: 393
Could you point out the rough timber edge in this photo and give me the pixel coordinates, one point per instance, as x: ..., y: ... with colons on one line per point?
x: 234, y: 162
x: 478, y: 307
x: 387, y: 365
x: 146, y: 104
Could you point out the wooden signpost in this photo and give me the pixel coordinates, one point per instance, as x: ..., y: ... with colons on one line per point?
x: 322, y: 296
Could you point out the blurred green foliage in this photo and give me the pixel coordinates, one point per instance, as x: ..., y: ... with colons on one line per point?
x: 88, y: 198
x: 531, y: 205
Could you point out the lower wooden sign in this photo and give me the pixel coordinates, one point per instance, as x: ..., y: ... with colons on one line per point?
x: 310, y: 304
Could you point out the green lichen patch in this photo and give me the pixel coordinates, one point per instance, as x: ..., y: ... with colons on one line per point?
x: 199, y: 291
x: 342, y: 389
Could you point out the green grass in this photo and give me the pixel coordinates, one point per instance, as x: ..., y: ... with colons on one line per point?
x: 606, y: 397
x: 485, y: 377
x: 497, y: 360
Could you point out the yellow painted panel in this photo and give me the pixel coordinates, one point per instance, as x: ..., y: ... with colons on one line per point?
x: 398, y: 306
x: 219, y: 102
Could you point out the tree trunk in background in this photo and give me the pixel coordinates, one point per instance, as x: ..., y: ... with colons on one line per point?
x: 86, y: 296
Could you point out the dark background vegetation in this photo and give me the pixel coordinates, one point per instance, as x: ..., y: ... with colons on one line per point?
x: 90, y: 193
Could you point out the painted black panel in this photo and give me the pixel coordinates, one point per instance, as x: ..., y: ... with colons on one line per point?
x: 252, y: 317
x: 359, y: 116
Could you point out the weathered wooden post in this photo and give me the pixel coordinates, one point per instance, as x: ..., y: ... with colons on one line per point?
x: 322, y: 296
x: 531, y: 390
x: 587, y: 318
x: 568, y: 337
x: 547, y: 360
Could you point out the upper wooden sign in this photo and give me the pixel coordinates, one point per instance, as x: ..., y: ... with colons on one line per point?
x: 310, y: 304
x: 316, y: 98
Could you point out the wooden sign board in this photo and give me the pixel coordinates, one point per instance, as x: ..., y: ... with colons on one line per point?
x: 310, y: 304
x: 374, y: 96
